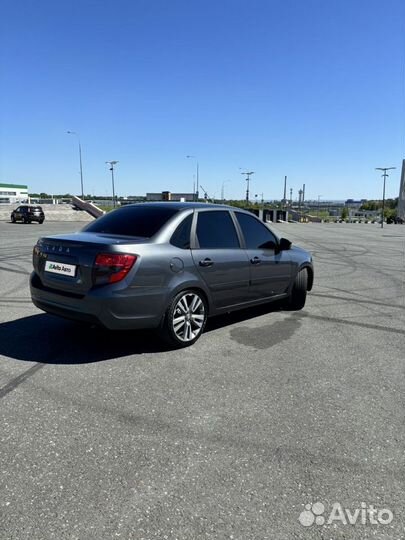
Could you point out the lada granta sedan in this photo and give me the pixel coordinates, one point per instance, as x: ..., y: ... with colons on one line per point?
x: 167, y: 266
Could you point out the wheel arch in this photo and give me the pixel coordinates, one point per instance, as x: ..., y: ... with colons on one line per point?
x: 188, y: 286
x: 310, y: 270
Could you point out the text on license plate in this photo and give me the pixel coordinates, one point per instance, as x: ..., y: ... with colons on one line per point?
x: 60, y: 268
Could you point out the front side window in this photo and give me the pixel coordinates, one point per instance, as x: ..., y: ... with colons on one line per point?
x: 143, y: 221
x: 257, y: 235
x: 215, y: 230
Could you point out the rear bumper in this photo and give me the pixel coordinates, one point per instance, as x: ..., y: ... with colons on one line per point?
x: 35, y: 217
x: 104, y: 306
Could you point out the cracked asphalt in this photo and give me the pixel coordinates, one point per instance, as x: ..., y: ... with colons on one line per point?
x: 109, y: 435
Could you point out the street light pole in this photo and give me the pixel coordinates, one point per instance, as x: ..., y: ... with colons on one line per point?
x: 384, y: 175
x: 248, y: 175
x: 197, y: 177
x: 223, y: 190
x: 112, y: 163
x: 80, y: 159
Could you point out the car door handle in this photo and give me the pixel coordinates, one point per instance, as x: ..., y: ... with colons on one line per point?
x: 206, y: 262
x: 255, y: 260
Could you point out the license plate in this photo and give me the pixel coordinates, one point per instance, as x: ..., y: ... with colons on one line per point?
x: 60, y: 268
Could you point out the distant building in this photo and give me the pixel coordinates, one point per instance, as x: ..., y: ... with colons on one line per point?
x: 168, y: 196
x: 351, y: 203
x: 13, y: 193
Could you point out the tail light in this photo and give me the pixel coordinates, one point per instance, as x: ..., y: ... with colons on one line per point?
x: 112, y: 267
x: 35, y: 254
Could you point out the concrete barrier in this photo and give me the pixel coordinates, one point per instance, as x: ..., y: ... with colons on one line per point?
x: 53, y: 212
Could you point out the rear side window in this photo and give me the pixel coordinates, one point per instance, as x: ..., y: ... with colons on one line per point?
x: 215, y: 230
x: 181, y: 236
x: 143, y: 221
x: 257, y: 236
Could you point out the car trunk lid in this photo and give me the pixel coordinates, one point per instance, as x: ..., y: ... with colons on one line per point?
x: 66, y: 262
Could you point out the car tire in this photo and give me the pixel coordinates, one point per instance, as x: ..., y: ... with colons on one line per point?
x: 12, y: 219
x: 40, y: 221
x: 297, y: 298
x: 185, y: 319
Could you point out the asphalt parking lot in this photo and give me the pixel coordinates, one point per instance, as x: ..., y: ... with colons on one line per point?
x: 108, y: 435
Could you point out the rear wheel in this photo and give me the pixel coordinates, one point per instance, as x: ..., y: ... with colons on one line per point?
x: 185, y: 319
x: 26, y: 220
x: 298, y: 294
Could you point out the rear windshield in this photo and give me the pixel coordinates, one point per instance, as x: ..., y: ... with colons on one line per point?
x: 143, y: 221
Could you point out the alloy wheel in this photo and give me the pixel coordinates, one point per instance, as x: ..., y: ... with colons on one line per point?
x: 188, y: 317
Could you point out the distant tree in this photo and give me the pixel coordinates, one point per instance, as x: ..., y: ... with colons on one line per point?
x: 371, y: 205
x: 345, y: 213
x: 391, y: 203
x: 390, y: 213
x: 241, y: 204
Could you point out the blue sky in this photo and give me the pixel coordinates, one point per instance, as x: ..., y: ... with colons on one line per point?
x: 311, y: 89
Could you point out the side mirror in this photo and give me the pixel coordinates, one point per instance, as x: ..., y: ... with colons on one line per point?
x: 284, y: 244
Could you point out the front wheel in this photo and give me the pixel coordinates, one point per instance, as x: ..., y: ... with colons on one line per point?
x: 40, y: 221
x: 12, y: 219
x: 185, y: 319
x: 298, y: 294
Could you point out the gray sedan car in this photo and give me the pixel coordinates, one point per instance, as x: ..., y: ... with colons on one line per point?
x: 167, y: 266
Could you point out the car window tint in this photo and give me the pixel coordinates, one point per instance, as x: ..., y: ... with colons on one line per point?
x: 143, y: 221
x: 255, y: 233
x: 181, y: 236
x: 215, y: 230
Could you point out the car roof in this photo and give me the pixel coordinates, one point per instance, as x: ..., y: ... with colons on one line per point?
x: 183, y: 205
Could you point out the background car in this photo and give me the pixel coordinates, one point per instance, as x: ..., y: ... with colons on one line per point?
x: 167, y: 266
x: 27, y: 214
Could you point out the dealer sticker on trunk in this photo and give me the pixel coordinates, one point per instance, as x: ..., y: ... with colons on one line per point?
x: 60, y: 268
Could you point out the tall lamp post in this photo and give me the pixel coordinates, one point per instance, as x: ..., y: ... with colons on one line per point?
x: 248, y: 175
x: 112, y: 163
x: 319, y: 205
x: 197, y: 176
x: 223, y: 190
x: 80, y: 158
x: 384, y: 175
